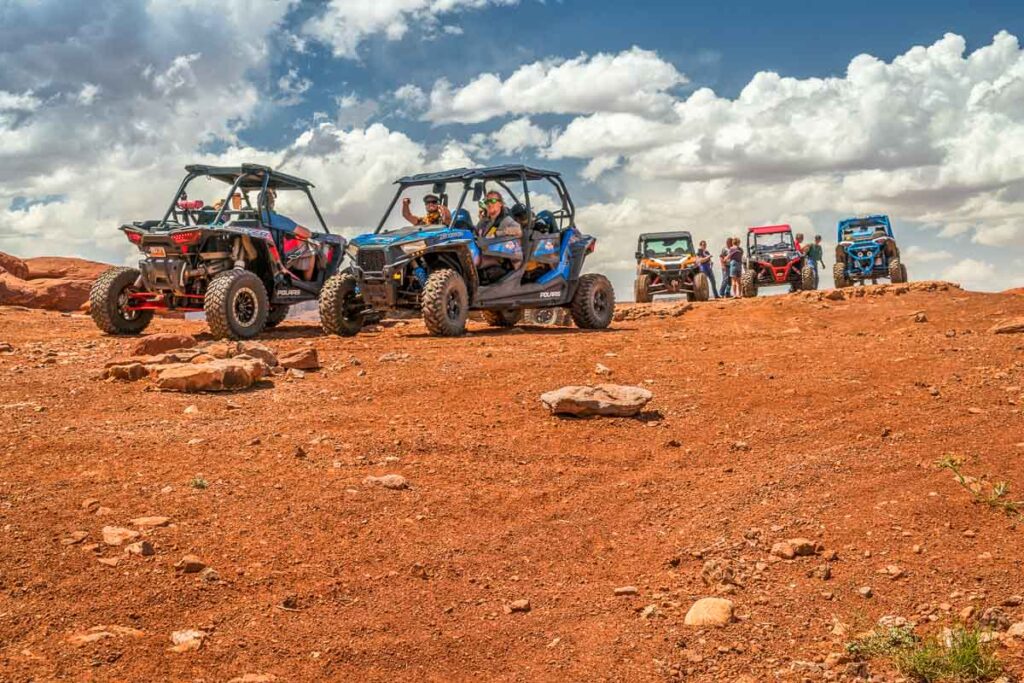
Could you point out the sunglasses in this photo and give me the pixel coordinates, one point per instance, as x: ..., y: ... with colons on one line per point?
x: 492, y: 200
x: 431, y: 203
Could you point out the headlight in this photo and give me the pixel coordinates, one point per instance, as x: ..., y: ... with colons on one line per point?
x: 351, y: 250
x: 413, y: 247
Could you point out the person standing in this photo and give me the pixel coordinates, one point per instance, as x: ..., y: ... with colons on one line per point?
x: 704, y: 259
x: 815, y: 254
x: 736, y: 266
x: 723, y: 260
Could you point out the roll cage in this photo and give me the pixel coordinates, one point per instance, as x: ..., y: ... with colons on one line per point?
x: 476, y: 180
x: 247, y: 178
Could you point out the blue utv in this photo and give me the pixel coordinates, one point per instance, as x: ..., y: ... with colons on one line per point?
x: 866, y: 250
x: 443, y: 266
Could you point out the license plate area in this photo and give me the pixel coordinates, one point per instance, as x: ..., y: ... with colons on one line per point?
x: 158, y: 251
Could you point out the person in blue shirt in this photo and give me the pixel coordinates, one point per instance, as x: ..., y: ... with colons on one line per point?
x: 704, y: 259
x: 299, y: 254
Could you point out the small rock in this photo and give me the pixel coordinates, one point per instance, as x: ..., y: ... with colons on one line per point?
x: 865, y: 591
x: 610, y: 400
x: 1016, y: 630
x: 394, y: 357
x: 975, y: 411
x: 740, y: 446
x: 1013, y: 601
x: 191, y: 410
x: 920, y: 317
x: 917, y: 550
x: 709, y: 612
x: 109, y: 561
x: 395, y: 482
x: 649, y: 612
x: 184, y: 641
x: 154, y: 344
x: 994, y: 619
x: 603, y: 370
x: 210, y: 575
x: 141, y: 548
x: 626, y: 590
x: 967, y: 613
x: 75, y: 537
x: 296, y: 374
x: 190, y: 564
x: 1009, y: 327
x: 299, y: 452
x: 90, y: 504
x: 517, y: 606
x: 151, y: 522
x: 116, y: 535
x: 300, y: 359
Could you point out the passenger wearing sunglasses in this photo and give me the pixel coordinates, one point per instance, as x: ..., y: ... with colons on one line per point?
x: 437, y: 213
x: 496, y: 225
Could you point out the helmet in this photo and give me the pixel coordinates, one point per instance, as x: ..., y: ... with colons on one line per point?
x: 518, y: 212
x: 462, y: 220
x: 546, y: 222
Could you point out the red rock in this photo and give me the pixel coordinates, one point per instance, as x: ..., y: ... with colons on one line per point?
x: 300, y: 359
x: 61, y: 267
x: 219, y: 375
x: 13, y: 265
x: 56, y: 295
x: 154, y: 344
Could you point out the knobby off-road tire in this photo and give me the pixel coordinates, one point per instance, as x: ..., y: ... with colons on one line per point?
x: 593, y: 304
x: 503, y: 318
x: 641, y: 289
x: 839, y: 275
x: 276, y: 316
x: 236, y: 305
x: 808, y: 278
x: 903, y: 272
x: 748, y: 284
x: 445, y: 303
x: 340, y: 308
x: 109, y: 296
x: 701, y: 287
x: 897, y: 273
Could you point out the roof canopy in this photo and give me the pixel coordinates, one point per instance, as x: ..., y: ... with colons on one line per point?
x: 465, y: 175
x: 665, y: 235
x: 769, y: 229
x: 253, y: 175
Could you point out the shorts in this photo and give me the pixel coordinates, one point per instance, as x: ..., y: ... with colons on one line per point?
x: 735, y: 268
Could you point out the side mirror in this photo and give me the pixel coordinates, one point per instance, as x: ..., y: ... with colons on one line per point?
x: 639, y: 256
x: 438, y: 188
x: 478, y: 191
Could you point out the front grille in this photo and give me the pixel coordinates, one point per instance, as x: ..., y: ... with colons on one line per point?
x: 371, y: 260
x: 780, y: 262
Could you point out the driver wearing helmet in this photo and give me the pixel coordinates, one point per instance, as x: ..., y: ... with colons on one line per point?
x: 436, y: 212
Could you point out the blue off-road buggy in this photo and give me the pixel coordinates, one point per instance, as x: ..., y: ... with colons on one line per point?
x: 237, y: 260
x: 866, y: 250
x: 445, y: 269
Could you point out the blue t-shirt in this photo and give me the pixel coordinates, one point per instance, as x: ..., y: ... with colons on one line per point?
x: 279, y: 222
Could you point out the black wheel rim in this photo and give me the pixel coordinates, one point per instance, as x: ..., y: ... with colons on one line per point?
x: 350, y: 307
x: 453, y: 307
x: 245, y: 307
x: 122, y: 306
x: 600, y: 301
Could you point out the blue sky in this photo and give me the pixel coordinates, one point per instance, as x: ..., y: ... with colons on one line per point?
x: 663, y: 115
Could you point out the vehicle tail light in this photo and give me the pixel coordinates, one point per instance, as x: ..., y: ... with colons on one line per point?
x: 187, y: 237
x: 592, y: 246
x: 134, y: 237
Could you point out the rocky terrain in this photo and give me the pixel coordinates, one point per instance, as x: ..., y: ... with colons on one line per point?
x: 406, y: 507
x: 48, y: 282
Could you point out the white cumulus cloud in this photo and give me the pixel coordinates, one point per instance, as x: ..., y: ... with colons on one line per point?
x: 635, y: 80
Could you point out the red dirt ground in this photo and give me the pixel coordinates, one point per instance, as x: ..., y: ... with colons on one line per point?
x: 322, y: 577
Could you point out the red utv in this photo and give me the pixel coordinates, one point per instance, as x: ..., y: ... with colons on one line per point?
x: 773, y: 259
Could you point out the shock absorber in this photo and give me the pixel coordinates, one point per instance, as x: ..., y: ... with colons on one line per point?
x: 420, y: 273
